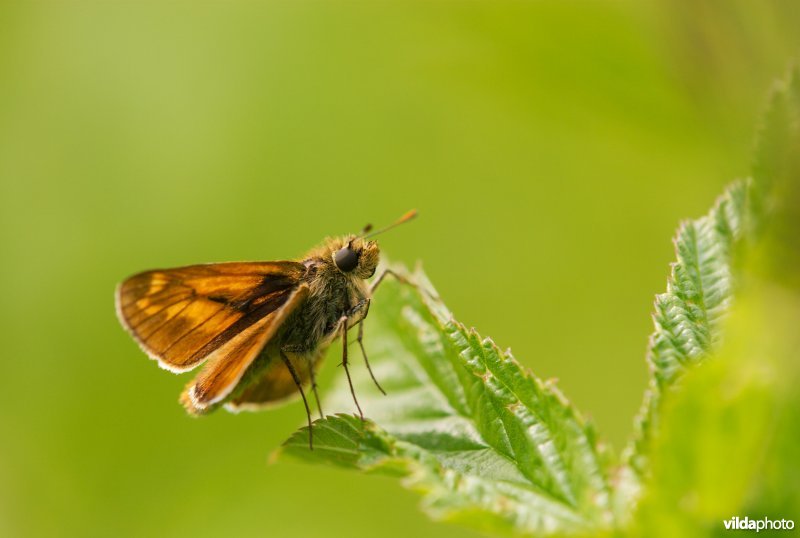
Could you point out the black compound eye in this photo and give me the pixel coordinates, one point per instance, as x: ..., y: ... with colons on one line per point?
x: 346, y: 259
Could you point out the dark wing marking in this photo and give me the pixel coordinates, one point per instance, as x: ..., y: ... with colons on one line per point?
x: 181, y: 316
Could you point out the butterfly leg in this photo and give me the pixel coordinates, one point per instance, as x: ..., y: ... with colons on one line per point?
x: 360, y: 340
x: 297, y: 382
x: 364, y: 305
x: 313, y: 376
x: 343, y: 323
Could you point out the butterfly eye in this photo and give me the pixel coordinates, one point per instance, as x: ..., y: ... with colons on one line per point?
x: 346, y: 259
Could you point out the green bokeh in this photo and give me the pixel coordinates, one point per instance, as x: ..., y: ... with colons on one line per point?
x: 551, y: 148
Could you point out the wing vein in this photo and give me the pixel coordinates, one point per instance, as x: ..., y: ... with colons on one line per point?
x: 193, y: 329
x: 153, y: 296
x: 166, y: 321
x: 148, y: 317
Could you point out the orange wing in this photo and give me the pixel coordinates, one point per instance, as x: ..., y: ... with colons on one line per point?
x: 182, y: 316
x: 228, y: 363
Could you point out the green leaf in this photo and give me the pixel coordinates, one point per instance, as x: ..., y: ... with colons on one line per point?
x: 727, y: 441
x: 487, y: 443
x: 690, y: 316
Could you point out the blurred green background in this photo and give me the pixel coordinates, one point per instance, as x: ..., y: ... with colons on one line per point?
x: 550, y: 147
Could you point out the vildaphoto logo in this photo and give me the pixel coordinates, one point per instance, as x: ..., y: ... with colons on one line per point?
x: 746, y: 524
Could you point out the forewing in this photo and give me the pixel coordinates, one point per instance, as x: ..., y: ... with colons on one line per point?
x: 228, y: 363
x: 181, y: 316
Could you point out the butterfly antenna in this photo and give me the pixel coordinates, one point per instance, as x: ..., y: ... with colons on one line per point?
x: 405, y: 218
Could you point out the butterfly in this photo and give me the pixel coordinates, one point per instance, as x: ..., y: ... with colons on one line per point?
x: 260, y: 329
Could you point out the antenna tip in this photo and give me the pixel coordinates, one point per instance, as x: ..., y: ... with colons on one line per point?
x: 405, y: 218
x: 408, y: 216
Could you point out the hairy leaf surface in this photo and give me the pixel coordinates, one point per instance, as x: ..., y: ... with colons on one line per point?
x: 486, y: 442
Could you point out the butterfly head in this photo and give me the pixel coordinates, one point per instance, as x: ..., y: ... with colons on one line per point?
x: 357, y: 256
